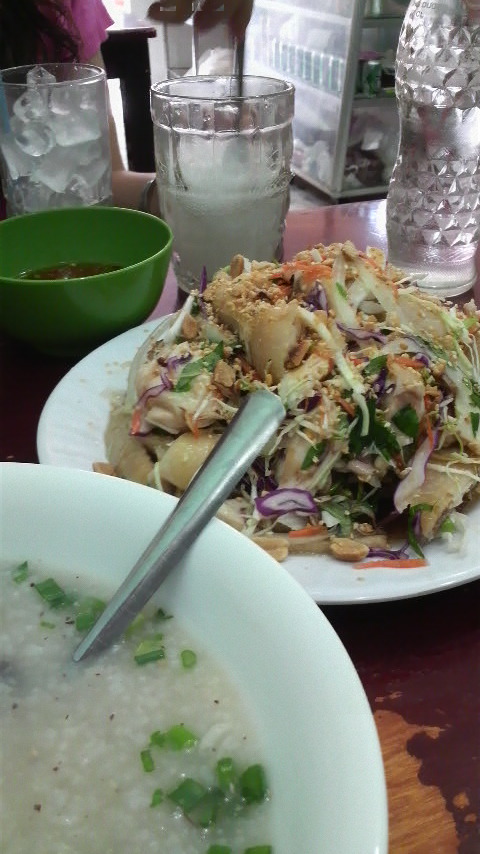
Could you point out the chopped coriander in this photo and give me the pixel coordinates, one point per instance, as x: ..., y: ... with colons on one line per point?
x: 178, y: 737
x: 339, y: 511
x: 20, y: 572
x: 189, y: 658
x: 157, y: 798
x: 150, y: 649
x: 160, y: 614
x: 313, y: 455
x: 379, y: 434
x: 88, y: 612
x: 196, y: 367
x: 406, y: 419
x: 187, y: 794
x: 374, y: 366
x: 475, y: 421
x: 52, y: 593
x: 147, y: 760
x: 253, y: 784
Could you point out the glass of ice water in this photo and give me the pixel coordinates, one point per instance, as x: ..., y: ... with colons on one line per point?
x: 223, y: 169
x: 54, y: 139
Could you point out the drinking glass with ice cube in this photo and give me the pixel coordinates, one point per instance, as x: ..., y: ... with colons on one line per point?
x: 54, y: 138
x: 223, y: 169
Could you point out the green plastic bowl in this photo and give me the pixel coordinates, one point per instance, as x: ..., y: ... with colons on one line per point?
x: 73, y: 316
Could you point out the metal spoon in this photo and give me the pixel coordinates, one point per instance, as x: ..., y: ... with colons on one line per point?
x: 249, y: 431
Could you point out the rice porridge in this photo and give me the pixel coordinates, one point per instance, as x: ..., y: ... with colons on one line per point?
x: 146, y: 748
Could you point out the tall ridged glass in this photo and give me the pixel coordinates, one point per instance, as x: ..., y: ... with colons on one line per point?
x: 433, y: 202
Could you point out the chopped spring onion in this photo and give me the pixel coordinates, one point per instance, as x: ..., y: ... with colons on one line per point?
x: 413, y: 526
x: 178, y: 737
x: 157, y: 797
x: 226, y: 774
x: 448, y: 526
x: 259, y: 849
x: 20, y: 573
x: 45, y: 624
x: 89, y: 610
x: 205, y: 813
x: 187, y: 794
x: 147, y: 760
x: 189, y: 658
x: 219, y: 849
x: 52, y: 593
x: 150, y: 649
x: 253, y: 784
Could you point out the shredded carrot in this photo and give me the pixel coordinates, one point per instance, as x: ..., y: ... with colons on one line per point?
x: 431, y: 438
x: 309, y: 531
x: 408, y: 563
x: 136, y: 422
x: 408, y: 362
x: 347, y: 406
x: 310, y: 271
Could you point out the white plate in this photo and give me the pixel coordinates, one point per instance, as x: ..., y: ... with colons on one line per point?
x: 71, y: 430
x: 314, y: 722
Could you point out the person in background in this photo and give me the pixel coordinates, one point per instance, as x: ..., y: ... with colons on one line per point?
x: 36, y: 31
x: 236, y: 12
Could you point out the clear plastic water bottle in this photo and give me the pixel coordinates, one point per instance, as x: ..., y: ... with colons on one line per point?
x: 433, y: 201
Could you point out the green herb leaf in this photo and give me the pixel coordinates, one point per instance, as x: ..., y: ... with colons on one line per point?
x: 178, y: 737
x: 341, y: 290
x: 205, y: 813
x: 259, y: 849
x: 189, y: 658
x: 160, y: 614
x: 340, y: 511
x: 150, y: 649
x: 313, y: 455
x: 253, y: 784
x: 475, y: 421
x: 147, y: 760
x: 45, y: 624
x: 406, y: 419
x: 193, y: 369
x: 157, y: 798
x: 374, y: 366
x: 379, y: 434
x: 53, y: 594
x: 20, y: 573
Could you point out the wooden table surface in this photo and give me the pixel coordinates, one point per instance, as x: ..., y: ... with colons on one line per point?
x: 418, y: 659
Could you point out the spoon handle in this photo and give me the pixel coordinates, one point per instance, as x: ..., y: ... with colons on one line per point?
x: 247, y: 434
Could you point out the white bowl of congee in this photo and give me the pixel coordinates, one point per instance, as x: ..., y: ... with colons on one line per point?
x: 228, y: 719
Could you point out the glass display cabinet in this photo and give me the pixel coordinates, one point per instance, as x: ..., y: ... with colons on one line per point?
x: 340, y: 55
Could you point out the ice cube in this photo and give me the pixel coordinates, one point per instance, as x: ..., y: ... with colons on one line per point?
x: 79, y: 192
x: 17, y: 163
x: 57, y: 169
x: 39, y: 76
x: 30, y: 106
x: 73, y: 129
x: 34, y: 138
x: 62, y: 100
x: 26, y: 195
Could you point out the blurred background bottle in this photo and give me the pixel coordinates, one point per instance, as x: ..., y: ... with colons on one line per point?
x: 433, y: 201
